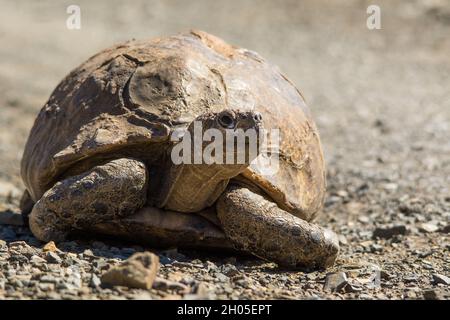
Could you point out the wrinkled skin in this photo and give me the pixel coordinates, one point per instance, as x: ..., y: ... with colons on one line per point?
x: 259, y: 226
x: 106, y: 192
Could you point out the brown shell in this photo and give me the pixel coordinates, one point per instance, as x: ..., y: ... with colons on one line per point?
x: 126, y: 100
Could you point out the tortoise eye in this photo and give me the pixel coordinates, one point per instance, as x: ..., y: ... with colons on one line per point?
x: 226, y: 121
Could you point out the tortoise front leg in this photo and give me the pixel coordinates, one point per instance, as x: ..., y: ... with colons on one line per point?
x: 110, y: 191
x: 259, y: 226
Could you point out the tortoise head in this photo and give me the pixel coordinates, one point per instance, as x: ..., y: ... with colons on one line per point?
x: 216, y: 147
x: 229, y: 137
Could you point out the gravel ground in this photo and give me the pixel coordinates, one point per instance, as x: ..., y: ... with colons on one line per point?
x: 381, y: 100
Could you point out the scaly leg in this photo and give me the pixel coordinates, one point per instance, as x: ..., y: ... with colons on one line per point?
x: 259, y: 226
x: 110, y: 191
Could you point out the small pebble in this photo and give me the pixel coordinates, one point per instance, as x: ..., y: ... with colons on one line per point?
x: 53, y: 257
x: 439, y: 278
x: 49, y: 247
x: 389, y: 232
x: 139, y: 271
x: 431, y: 294
x: 95, y: 281
x: 36, y: 260
x: 335, y: 281
x: 428, y: 227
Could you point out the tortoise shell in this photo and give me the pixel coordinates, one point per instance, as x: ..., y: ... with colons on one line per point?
x: 126, y: 101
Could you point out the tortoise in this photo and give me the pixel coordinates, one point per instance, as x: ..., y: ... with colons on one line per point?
x: 98, y: 159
